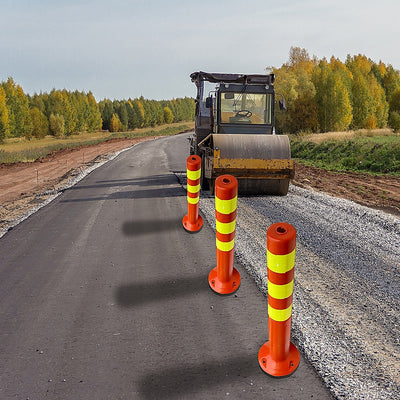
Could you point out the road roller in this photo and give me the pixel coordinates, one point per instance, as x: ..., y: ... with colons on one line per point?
x: 235, y: 134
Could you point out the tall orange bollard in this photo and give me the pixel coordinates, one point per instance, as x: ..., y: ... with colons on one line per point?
x: 224, y: 279
x: 279, y: 357
x: 192, y: 221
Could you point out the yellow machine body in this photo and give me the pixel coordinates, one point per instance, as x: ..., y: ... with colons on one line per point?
x: 235, y: 133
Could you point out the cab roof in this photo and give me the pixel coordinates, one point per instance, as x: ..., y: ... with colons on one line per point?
x: 213, y: 77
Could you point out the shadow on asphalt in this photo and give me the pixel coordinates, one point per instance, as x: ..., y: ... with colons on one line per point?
x: 133, y: 228
x: 142, y: 293
x: 236, y: 373
x: 153, y: 180
x: 135, y: 194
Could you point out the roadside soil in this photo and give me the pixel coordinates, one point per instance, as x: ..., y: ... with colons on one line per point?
x: 24, y: 185
x: 380, y: 192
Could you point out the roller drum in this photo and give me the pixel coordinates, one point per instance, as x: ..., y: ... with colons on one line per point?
x: 263, y: 147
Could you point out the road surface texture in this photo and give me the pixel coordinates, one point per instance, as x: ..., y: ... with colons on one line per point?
x: 103, y: 295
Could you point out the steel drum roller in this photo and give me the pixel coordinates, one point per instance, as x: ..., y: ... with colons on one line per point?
x: 263, y: 147
x: 255, y: 147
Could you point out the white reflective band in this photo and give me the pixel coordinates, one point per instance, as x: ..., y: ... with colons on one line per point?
x: 225, y: 206
x: 193, y: 175
x: 193, y: 200
x: 279, y: 315
x: 280, y: 291
x: 193, y: 189
x: 225, y: 246
x: 225, y: 227
x: 280, y: 263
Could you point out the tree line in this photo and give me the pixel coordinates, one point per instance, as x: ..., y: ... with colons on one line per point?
x: 321, y: 96
x: 332, y: 95
x: 63, y: 113
x: 122, y: 115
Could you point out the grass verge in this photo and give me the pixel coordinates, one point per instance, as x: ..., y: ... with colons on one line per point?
x: 22, y: 150
x: 375, y: 154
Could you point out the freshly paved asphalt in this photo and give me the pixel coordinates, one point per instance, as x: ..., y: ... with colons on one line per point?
x: 103, y: 295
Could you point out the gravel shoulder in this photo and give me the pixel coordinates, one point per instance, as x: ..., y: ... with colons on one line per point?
x: 346, y: 312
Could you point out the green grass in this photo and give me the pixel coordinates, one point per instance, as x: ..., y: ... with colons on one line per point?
x: 370, y: 154
x: 22, y: 150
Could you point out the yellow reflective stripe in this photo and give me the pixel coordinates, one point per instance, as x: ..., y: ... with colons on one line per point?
x: 193, y: 189
x: 225, y: 227
x: 225, y: 206
x: 225, y: 246
x: 279, y: 315
x: 193, y: 175
x: 280, y: 263
x: 280, y: 291
x: 193, y: 200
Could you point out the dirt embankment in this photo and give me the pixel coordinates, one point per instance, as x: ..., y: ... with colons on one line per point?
x: 24, y: 185
x: 381, y: 192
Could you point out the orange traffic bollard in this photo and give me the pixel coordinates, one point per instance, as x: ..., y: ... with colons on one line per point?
x: 192, y: 221
x: 279, y: 357
x: 224, y: 279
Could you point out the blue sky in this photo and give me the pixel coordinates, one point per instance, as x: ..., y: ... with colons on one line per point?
x: 120, y: 49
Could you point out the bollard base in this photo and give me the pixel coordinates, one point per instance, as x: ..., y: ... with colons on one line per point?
x: 220, y: 287
x: 279, y: 368
x: 192, y: 228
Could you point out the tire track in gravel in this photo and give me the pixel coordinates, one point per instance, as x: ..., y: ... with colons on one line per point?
x: 346, y: 309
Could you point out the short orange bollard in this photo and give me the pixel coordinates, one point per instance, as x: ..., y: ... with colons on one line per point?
x: 192, y: 221
x: 279, y: 357
x: 224, y: 279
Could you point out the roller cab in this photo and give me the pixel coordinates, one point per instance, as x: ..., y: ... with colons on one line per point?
x: 234, y: 134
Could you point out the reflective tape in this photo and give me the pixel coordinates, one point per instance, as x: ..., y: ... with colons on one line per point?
x: 280, y: 263
x: 225, y: 227
x: 279, y: 315
x: 193, y: 200
x: 280, y: 291
x: 225, y: 246
x: 193, y: 175
x: 225, y: 206
x: 193, y: 189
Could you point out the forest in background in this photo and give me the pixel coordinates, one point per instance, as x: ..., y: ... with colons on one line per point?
x: 323, y: 96
x: 63, y: 113
x: 122, y: 115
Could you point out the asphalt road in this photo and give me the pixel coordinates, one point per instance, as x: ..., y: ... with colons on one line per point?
x: 103, y: 295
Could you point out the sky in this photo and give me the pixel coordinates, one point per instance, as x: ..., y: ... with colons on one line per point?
x: 121, y: 49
